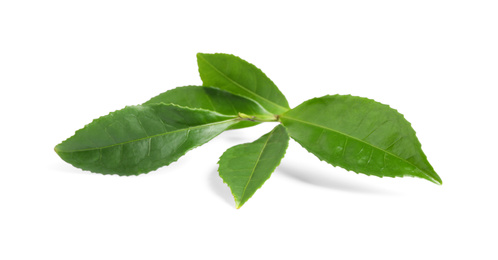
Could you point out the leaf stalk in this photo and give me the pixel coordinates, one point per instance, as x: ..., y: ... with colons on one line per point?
x: 259, y: 118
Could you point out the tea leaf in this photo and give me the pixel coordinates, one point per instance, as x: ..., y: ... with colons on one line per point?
x: 238, y: 76
x: 360, y: 135
x: 246, y: 167
x: 213, y: 99
x: 140, y: 139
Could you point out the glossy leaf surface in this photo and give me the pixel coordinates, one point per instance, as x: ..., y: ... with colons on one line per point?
x: 360, y: 135
x: 212, y: 99
x: 140, y: 139
x: 238, y: 76
x: 246, y: 167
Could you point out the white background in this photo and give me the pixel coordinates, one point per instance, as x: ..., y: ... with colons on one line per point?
x: 64, y: 63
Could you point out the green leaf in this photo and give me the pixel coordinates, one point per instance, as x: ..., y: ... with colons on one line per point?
x: 244, y: 168
x: 212, y: 99
x: 360, y: 135
x: 140, y: 139
x: 240, y: 77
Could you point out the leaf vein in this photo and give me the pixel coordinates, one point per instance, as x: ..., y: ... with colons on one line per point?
x: 153, y: 136
x: 241, y: 86
x: 362, y: 141
x: 257, y: 162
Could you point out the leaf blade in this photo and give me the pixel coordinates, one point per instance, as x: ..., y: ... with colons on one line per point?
x: 140, y: 139
x: 240, y: 77
x: 246, y: 167
x: 212, y: 99
x: 360, y: 135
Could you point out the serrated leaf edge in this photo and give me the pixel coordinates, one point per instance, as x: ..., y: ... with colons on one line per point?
x: 209, y: 87
x: 200, y: 55
x: 136, y: 174
x: 237, y: 203
x: 430, y: 178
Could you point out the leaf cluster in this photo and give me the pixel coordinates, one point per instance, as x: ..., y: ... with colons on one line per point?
x: 355, y: 133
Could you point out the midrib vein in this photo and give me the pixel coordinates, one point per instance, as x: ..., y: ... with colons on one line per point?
x: 149, y: 137
x: 257, y: 162
x: 360, y: 140
x: 239, y: 85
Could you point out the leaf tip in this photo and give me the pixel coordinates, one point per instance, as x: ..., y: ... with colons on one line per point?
x: 56, y: 149
x: 435, y: 179
x: 199, y: 55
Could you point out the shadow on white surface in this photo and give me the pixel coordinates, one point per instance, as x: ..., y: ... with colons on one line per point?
x: 62, y: 166
x: 326, y: 180
x: 234, y: 137
x: 219, y: 188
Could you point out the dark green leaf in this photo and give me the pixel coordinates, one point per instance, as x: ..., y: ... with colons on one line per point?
x: 140, y: 139
x: 246, y: 167
x: 212, y: 99
x: 238, y: 76
x: 360, y: 135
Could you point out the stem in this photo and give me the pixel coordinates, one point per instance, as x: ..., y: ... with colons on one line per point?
x: 258, y: 118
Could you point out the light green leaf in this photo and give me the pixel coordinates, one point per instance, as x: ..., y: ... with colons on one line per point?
x: 360, y: 135
x: 140, y: 139
x: 246, y: 167
x: 212, y: 99
x: 238, y: 76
